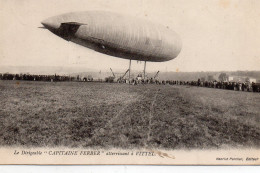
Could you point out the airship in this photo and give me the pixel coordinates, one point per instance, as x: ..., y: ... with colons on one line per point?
x: 117, y: 35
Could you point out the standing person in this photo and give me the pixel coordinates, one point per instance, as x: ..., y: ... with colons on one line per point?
x: 243, y: 86
x: 254, y: 87
x: 198, y: 82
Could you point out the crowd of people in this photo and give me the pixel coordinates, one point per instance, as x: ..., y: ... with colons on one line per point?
x: 29, y: 77
x: 237, y: 86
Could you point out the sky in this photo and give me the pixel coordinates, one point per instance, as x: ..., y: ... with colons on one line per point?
x: 217, y: 35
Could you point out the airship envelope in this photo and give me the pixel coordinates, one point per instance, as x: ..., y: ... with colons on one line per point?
x: 117, y: 35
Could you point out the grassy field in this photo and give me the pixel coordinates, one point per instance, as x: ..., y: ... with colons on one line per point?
x: 77, y: 114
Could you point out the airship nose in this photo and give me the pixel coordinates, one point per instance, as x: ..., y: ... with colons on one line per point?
x: 51, y: 24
